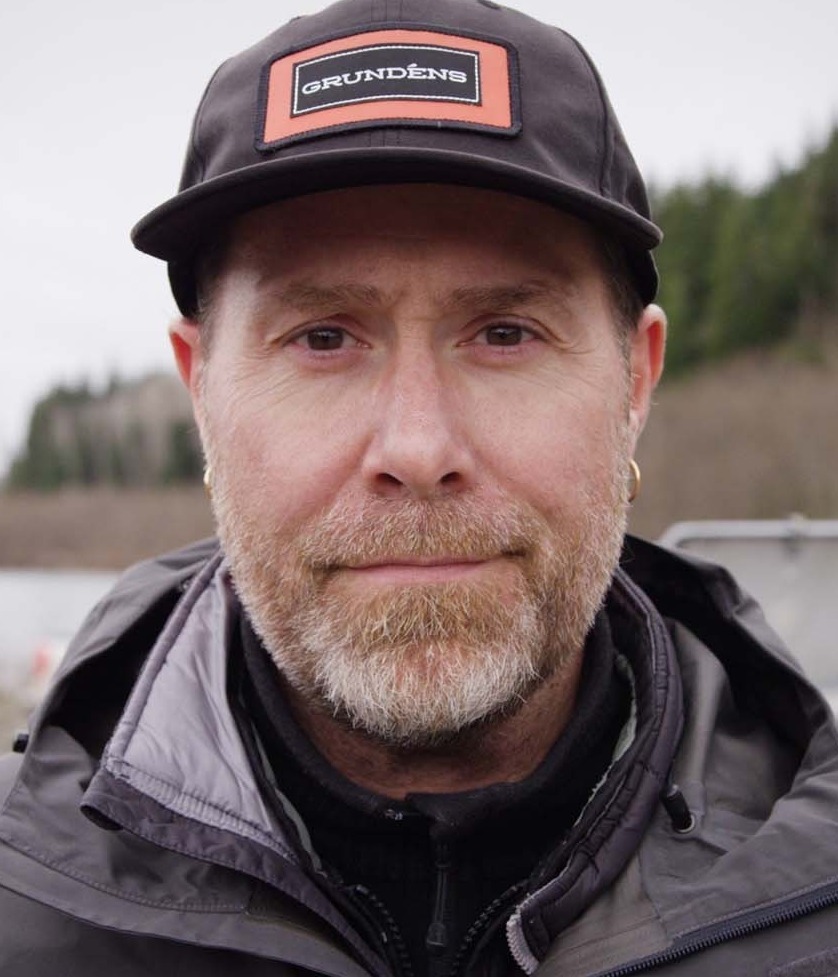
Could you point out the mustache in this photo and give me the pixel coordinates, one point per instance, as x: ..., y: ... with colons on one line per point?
x: 378, y: 531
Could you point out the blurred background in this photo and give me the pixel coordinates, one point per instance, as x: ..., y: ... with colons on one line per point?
x: 732, y: 113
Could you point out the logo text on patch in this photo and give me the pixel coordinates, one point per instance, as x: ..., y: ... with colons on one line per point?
x: 384, y: 72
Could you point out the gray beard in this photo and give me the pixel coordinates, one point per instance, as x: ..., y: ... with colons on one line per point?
x: 418, y: 666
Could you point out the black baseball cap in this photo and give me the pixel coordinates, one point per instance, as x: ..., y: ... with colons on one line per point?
x: 370, y: 92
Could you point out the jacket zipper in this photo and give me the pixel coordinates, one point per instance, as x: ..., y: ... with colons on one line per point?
x: 390, y: 939
x: 490, y: 915
x: 437, y: 935
x: 721, y: 933
x: 360, y: 907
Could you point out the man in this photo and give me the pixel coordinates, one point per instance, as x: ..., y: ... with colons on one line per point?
x: 417, y: 714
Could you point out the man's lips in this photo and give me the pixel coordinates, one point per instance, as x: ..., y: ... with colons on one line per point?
x: 419, y: 561
x: 407, y: 570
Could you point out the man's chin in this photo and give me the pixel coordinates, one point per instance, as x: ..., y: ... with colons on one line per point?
x: 429, y: 738
x: 432, y: 700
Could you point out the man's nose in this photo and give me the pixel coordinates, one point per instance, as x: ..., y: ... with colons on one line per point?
x: 419, y: 446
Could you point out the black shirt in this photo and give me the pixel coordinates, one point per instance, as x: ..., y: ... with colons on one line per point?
x: 437, y: 866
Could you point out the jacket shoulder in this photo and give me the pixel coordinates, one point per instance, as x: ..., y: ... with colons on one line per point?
x: 139, y: 591
x: 39, y: 941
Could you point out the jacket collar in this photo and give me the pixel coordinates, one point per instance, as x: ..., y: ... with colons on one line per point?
x: 609, y: 830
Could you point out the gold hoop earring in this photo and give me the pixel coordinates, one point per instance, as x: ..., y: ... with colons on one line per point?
x: 208, y: 481
x: 634, y: 468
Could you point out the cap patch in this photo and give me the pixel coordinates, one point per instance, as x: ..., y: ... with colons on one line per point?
x: 405, y: 77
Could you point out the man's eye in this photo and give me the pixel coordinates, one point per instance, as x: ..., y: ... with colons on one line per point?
x: 505, y: 334
x: 324, y: 338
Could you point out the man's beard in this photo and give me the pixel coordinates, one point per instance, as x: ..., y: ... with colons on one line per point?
x: 416, y: 666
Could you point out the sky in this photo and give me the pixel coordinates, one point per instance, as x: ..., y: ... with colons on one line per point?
x: 96, y: 99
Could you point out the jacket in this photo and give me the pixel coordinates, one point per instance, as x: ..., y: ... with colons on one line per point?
x: 138, y: 835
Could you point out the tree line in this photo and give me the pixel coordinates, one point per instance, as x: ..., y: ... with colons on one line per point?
x: 131, y: 434
x: 739, y: 268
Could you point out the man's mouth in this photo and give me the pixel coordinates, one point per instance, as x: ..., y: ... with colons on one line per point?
x: 422, y: 570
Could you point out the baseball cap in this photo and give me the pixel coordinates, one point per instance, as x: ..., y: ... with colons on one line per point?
x: 370, y: 92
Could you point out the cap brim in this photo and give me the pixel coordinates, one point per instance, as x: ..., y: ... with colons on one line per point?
x: 177, y: 229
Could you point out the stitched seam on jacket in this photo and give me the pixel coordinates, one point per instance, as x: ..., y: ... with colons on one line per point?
x: 171, y: 793
x: 123, y: 896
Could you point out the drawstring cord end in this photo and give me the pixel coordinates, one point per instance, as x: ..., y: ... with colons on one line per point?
x: 675, y: 804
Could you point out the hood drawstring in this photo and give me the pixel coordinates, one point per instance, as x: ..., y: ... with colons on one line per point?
x: 675, y: 804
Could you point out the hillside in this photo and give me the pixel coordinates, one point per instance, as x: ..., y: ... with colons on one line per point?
x: 100, y: 527
x: 754, y: 437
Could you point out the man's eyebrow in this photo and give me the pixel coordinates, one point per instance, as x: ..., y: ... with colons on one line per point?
x: 314, y: 297
x: 307, y: 296
x: 501, y: 298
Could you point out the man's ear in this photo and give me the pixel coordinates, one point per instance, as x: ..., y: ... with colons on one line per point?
x: 648, y: 344
x: 185, y: 337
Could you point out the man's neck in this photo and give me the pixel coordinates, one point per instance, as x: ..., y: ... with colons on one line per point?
x: 504, y: 751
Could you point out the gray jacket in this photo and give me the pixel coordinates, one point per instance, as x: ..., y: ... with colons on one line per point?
x: 137, y: 834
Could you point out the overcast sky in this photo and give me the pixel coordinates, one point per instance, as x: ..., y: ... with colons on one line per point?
x: 96, y: 97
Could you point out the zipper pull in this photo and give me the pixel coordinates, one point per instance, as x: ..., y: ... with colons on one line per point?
x: 436, y: 939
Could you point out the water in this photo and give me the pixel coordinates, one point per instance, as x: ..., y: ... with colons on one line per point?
x: 40, y: 610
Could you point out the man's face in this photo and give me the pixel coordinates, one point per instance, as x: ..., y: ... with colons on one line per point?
x: 419, y: 420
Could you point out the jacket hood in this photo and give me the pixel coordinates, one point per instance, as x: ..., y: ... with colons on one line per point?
x: 758, y: 766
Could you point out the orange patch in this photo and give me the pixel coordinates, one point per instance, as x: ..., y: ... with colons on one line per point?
x: 381, y: 76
